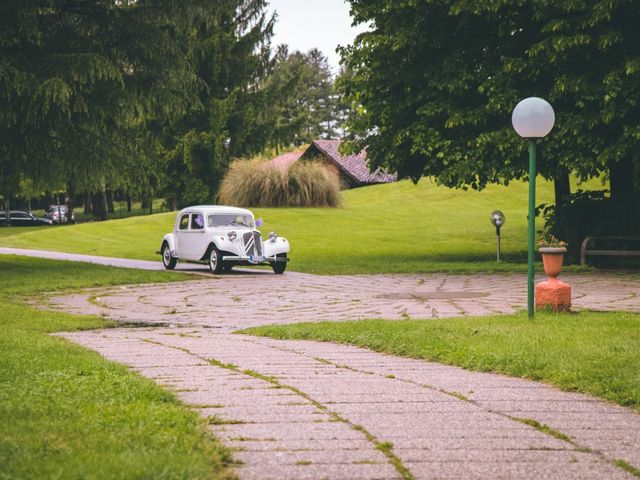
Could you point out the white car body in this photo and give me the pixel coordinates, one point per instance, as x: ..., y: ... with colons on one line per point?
x: 222, y: 237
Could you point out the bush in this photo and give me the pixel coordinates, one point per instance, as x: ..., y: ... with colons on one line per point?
x: 252, y: 183
x: 590, y: 214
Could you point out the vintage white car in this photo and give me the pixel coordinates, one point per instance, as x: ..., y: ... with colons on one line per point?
x: 222, y: 237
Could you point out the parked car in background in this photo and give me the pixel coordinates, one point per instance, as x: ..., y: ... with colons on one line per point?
x: 58, y: 214
x: 222, y: 237
x: 21, y: 218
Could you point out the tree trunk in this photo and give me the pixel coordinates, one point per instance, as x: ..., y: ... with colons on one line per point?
x: 150, y: 206
x: 562, y: 187
x: 109, y: 200
x: 71, y: 199
x: 47, y: 200
x: 128, y: 203
x: 87, y: 203
x: 100, y: 205
x: 7, y: 210
x: 103, y: 205
x: 621, y: 176
x: 58, y: 208
x: 95, y: 204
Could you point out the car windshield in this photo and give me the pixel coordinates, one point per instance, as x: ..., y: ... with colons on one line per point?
x: 230, y: 220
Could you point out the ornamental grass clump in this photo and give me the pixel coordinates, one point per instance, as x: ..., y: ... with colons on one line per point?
x: 252, y: 183
x: 551, y: 242
x: 238, y: 186
x: 311, y: 185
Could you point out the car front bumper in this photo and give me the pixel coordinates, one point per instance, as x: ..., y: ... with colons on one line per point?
x: 253, y: 259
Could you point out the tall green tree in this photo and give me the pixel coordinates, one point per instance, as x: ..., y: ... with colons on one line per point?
x: 80, y: 81
x: 434, y: 83
x: 230, y: 54
x: 302, y: 100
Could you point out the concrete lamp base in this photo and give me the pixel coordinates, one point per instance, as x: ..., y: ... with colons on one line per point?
x: 553, y: 294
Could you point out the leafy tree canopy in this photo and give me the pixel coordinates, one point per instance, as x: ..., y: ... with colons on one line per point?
x: 433, y: 84
x: 80, y: 79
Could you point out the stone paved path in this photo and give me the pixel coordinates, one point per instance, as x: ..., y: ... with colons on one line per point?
x: 308, y: 410
x: 77, y: 257
x: 294, y: 409
x: 240, y: 300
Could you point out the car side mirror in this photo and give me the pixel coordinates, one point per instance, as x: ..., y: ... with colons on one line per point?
x: 259, y: 222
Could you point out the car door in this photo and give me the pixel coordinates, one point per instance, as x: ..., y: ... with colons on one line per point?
x: 20, y: 219
x: 31, y: 220
x: 198, y: 239
x: 191, y: 238
x: 182, y: 237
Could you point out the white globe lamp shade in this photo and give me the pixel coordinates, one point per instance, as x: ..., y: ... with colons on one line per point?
x: 533, y: 117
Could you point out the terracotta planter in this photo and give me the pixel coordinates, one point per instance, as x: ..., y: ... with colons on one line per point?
x: 552, y: 258
x: 553, y: 293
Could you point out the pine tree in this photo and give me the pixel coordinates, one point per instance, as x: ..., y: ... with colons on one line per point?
x: 231, y: 56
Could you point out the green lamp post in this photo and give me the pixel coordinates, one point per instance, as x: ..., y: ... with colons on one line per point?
x: 533, y: 118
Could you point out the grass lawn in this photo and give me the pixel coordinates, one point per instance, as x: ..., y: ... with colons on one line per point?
x: 66, y: 412
x: 397, y: 227
x: 594, y: 353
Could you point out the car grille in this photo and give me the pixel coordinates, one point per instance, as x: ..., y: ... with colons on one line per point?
x: 252, y: 243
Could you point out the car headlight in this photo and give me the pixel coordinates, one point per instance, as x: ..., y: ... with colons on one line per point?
x: 273, y: 236
x: 232, y: 235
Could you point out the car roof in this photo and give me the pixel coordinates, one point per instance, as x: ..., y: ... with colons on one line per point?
x: 207, y: 209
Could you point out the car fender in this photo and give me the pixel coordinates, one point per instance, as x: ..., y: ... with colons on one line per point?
x: 223, y: 244
x: 170, y: 240
x: 281, y: 245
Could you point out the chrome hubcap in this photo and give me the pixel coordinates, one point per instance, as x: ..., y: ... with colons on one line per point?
x: 166, y: 256
x: 213, y: 259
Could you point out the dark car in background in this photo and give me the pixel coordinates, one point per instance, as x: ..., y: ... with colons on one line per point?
x: 58, y: 214
x: 20, y: 218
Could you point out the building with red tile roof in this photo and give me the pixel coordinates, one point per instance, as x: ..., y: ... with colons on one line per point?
x: 352, y: 170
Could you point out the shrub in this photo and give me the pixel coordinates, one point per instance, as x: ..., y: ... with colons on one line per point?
x: 253, y: 183
x: 590, y: 214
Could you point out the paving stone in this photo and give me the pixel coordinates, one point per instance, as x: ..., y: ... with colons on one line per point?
x: 580, y: 469
x: 248, y: 444
x: 320, y: 472
x: 268, y: 418
x: 316, y: 457
x: 295, y: 431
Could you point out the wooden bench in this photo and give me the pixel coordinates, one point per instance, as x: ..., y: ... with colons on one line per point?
x: 584, y: 249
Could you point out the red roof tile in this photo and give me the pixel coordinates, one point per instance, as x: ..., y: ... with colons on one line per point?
x: 355, y: 165
x: 284, y: 161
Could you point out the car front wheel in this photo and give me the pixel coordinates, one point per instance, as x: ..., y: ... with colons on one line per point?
x: 168, y: 261
x: 215, y: 260
x: 281, y: 265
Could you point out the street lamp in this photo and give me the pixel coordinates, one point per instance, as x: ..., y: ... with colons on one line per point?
x: 533, y: 118
x: 497, y: 220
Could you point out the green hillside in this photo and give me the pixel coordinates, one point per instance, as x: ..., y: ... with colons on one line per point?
x: 398, y: 227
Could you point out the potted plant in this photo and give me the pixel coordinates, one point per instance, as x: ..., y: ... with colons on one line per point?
x: 552, y: 251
